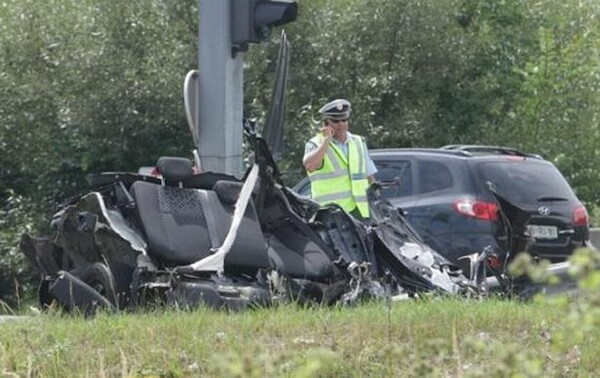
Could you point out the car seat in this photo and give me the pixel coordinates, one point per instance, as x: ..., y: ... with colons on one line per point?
x: 183, y: 225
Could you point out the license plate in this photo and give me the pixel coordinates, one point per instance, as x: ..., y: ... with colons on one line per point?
x: 543, y: 232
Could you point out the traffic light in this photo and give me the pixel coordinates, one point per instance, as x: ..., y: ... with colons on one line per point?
x: 252, y: 20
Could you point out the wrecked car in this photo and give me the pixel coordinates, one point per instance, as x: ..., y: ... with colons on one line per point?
x: 186, y: 239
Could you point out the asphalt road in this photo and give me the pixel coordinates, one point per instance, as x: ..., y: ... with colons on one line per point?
x: 595, y: 237
x: 10, y: 318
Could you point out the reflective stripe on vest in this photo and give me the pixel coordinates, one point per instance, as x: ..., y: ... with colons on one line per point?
x: 341, y: 179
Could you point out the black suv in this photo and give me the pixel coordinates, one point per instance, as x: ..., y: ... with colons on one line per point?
x: 445, y: 196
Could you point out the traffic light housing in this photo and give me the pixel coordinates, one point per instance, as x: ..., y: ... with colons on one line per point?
x: 252, y: 20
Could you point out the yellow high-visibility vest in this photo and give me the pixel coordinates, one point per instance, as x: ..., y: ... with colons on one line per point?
x: 342, y: 179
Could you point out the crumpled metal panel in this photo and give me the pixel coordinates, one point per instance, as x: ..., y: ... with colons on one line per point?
x: 87, y: 217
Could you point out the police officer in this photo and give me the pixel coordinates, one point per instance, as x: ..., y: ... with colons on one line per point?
x: 338, y: 163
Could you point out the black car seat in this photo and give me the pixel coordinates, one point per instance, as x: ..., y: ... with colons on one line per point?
x: 182, y: 225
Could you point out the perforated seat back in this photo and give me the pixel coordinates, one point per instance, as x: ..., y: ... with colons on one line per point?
x: 173, y: 221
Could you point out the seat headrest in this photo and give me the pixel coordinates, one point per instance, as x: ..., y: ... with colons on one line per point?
x: 228, y: 191
x: 174, y: 169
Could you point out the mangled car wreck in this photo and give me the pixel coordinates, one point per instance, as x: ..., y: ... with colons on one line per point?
x: 187, y: 239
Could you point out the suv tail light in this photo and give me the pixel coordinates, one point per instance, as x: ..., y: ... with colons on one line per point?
x: 494, y: 262
x: 580, y: 216
x: 477, y: 209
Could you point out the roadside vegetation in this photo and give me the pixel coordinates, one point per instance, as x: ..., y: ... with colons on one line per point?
x: 88, y: 87
x: 431, y: 336
x: 441, y: 337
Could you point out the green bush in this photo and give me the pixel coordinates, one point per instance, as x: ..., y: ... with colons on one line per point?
x: 17, y: 278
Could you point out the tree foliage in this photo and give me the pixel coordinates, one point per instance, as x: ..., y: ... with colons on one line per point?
x: 89, y: 86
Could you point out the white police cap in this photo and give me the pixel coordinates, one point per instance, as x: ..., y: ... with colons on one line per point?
x: 336, y: 109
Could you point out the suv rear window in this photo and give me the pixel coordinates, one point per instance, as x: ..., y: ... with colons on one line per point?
x: 525, y: 183
x: 434, y: 176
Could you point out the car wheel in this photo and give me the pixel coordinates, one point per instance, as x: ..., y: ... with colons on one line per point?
x: 99, y: 277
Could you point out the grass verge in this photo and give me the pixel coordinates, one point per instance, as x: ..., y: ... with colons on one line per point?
x: 437, y: 337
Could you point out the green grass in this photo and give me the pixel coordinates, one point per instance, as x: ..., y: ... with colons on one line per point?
x: 437, y: 337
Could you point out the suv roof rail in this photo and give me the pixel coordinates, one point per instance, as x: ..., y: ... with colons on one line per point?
x: 489, y: 149
x: 434, y: 150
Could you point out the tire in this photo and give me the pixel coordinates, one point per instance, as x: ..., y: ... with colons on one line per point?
x: 99, y: 277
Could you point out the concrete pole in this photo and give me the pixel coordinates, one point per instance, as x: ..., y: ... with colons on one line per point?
x: 220, y: 99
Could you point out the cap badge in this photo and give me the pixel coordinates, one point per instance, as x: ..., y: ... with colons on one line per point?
x: 340, y: 106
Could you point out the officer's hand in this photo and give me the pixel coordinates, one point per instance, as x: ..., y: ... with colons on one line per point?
x: 327, y: 132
